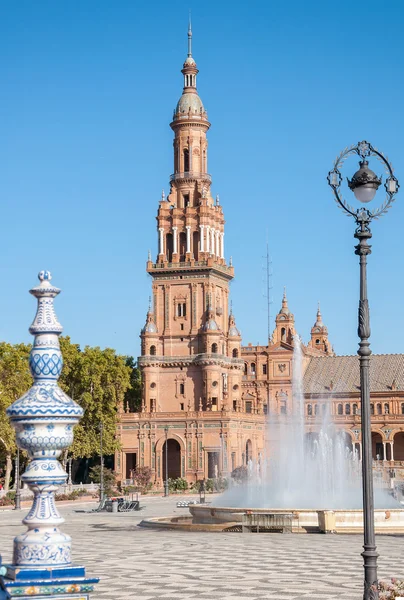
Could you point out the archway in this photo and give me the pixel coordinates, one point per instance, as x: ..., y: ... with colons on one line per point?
x: 173, y: 465
x: 377, y: 446
x: 346, y: 439
x: 398, y: 447
x: 311, y: 442
x: 248, y: 451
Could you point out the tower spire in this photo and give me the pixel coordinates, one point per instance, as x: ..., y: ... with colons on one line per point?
x: 189, y: 36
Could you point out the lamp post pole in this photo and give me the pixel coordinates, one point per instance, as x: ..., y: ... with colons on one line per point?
x: 101, y: 466
x: 363, y: 234
x: 166, y: 492
x: 17, y: 481
x: 365, y: 184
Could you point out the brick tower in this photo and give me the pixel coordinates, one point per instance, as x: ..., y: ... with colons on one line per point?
x: 192, y: 371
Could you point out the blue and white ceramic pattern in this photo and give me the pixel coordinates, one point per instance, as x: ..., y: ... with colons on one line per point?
x: 43, y: 419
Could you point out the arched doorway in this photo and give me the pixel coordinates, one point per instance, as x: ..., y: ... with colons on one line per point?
x: 399, y: 446
x: 173, y: 465
x: 346, y: 440
x: 377, y: 446
x: 311, y: 442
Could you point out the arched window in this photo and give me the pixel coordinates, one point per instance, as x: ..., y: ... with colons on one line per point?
x: 169, y: 246
x: 235, y: 353
x: 186, y: 160
x: 195, y: 244
x: 309, y: 410
x: 264, y: 369
x: 252, y: 368
x: 245, y: 368
x: 153, y: 350
x: 182, y: 388
x: 316, y: 409
x: 317, y: 341
x: 386, y: 409
x: 183, y: 246
x: 347, y: 409
x: 181, y: 309
x: 340, y: 409
x: 355, y: 409
x: 402, y: 408
x: 283, y: 334
x: 372, y: 409
x: 283, y: 399
x: 379, y: 409
x: 214, y: 348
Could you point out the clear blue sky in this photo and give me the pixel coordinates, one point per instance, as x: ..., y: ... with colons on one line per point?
x: 87, y: 92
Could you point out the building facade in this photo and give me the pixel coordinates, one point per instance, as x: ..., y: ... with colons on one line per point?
x: 206, y: 399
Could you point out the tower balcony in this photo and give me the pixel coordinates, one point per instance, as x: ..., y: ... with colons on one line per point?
x: 160, y: 268
x: 190, y: 175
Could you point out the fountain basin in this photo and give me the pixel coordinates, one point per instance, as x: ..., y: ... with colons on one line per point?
x: 305, y: 520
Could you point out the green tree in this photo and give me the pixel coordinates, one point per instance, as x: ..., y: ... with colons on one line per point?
x: 15, y: 380
x: 100, y: 379
x: 133, y: 395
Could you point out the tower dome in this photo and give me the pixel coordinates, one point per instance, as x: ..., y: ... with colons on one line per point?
x: 189, y: 102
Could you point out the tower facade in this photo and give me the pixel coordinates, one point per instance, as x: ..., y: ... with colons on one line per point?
x: 190, y: 359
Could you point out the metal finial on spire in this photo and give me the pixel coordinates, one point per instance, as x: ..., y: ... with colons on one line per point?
x: 189, y: 35
x: 149, y: 256
x: 217, y: 199
x: 231, y: 308
x: 284, y: 293
x: 149, y: 304
x: 163, y: 196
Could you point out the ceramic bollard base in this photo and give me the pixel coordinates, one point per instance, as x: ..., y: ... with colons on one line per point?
x: 53, y: 583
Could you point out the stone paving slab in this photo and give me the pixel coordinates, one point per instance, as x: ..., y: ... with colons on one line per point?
x: 143, y: 564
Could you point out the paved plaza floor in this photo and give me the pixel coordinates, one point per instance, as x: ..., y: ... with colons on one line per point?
x: 142, y: 564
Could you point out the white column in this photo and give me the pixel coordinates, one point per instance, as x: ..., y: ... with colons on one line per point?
x: 188, y: 228
x: 175, y: 250
x: 207, y: 238
x: 202, y: 246
x: 384, y: 451
x: 218, y: 243
x: 161, y: 240
x: 392, y: 450
x: 222, y: 245
x: 212, y: 241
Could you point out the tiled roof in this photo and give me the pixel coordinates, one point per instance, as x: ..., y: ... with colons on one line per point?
x: 340, y: 374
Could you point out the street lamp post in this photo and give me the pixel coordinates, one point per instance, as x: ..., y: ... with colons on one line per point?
x: 101, y: 465
x: 365, y: 184
x: 17, y: 481
x: 166, y: 493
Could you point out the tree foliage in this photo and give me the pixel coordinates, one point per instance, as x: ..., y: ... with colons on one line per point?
x: 96, y: 379
x: 15, y: 379
x: 133, y: 396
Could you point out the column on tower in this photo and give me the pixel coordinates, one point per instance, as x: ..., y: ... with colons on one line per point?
x: 161, y: 240
x: 218, y: 243
x: 188, y: 229
x: 222, y: 244
x: 175, y: 245
x: 207, y: 239
x: 202, y: 241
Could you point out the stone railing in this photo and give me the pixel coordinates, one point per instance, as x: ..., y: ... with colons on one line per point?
x: 190, y: 175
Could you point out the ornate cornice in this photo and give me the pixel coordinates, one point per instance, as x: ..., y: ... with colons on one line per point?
x: 219, y: 360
